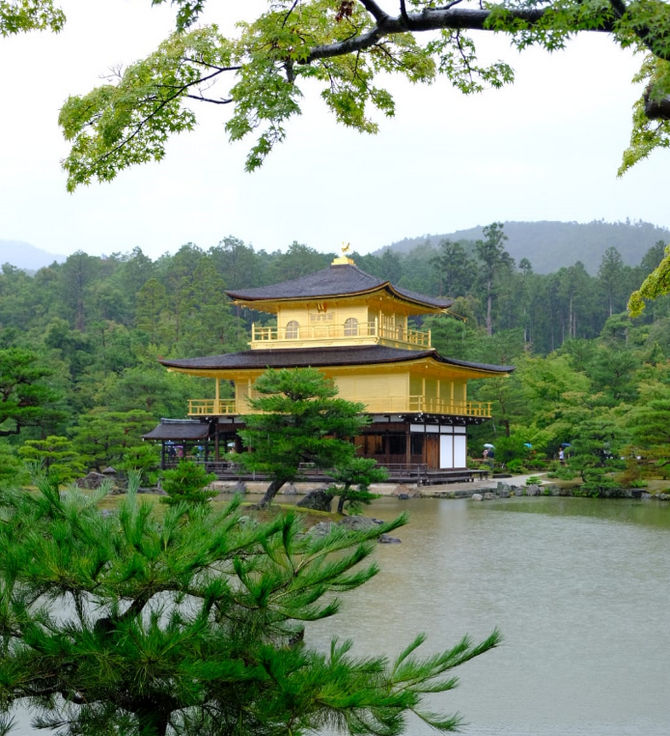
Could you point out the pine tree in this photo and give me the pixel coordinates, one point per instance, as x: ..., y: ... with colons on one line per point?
x: 187, y: 482
x: 353, y: 480
x: 302, y: 422
x: 191, y: 621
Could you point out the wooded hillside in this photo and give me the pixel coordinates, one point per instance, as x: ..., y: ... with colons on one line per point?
x: 553, y: 245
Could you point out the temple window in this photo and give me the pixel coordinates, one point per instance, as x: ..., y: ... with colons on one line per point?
x: 351, y: 327
x: 292, y: 329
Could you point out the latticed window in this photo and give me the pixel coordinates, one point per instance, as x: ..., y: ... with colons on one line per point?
x: 292, y: 330
x: 351, y: 326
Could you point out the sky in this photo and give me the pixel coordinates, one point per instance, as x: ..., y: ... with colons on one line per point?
x: 546, y: 148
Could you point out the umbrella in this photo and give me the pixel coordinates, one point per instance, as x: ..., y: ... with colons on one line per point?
x: 527, y: 444
x: 488, y: 444
x: 565, y: 444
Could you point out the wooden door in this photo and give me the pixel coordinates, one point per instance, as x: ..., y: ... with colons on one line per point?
x: 433, y: 451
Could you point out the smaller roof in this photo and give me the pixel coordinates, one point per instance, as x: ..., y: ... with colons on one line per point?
x: 178, y: 429
x: 335, y: 281
x: 322, y: 358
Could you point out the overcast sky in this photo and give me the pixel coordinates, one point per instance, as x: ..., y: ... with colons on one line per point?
x: 546, y: 148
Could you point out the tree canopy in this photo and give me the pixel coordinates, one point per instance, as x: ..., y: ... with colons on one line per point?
x: 347, y: 49
x: 24, y: 398
x: 302, y: 421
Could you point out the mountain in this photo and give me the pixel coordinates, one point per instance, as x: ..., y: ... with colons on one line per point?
x: 26, y: 256
x: 552, y: 245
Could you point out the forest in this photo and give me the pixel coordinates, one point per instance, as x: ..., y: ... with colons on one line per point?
x: 79, y: 342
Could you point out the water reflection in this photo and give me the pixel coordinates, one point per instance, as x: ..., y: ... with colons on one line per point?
x: 647, y: 512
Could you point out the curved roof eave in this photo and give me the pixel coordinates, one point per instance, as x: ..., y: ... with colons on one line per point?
x: 332, y: 357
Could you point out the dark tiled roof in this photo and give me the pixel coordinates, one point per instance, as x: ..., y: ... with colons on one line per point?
x: 321, y: 357
x: 331, y: 282
x: 178, y: 429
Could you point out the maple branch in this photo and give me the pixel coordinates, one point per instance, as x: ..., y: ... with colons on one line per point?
x: 429, y: 19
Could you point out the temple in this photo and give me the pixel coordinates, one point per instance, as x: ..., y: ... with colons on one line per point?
x: 354, y: 328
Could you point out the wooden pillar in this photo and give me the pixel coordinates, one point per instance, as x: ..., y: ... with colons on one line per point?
x: 217, y: 395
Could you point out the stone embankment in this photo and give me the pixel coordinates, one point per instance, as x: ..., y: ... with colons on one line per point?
x: 478, y: 490
x: 489, y: 488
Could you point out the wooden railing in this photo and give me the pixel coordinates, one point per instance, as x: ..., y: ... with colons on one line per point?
x: 405, y: 472
x: 211, y: 407
x: 387, y: 404
x: 362, y: 331
x: 420, y: 403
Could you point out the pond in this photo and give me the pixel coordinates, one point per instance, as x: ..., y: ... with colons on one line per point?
x: 579, y: 588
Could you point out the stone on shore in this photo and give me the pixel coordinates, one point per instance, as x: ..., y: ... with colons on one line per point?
x: 317, y: 500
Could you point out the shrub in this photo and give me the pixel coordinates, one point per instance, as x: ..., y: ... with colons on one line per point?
x: 516, y: 466
x: 187, y: 482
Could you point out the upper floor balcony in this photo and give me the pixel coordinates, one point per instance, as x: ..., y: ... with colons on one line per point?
x: 351, y: 332
x: 212, y: 407
x: 392, y: 404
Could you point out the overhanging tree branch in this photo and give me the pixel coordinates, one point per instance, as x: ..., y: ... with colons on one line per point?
x: 344, y: 47
x: 431, y: 19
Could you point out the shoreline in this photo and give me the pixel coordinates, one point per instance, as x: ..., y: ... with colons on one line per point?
x: 476, y: 489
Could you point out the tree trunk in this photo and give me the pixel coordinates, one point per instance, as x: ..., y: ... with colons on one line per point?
x: 271, y: 492
x: 152, y: 721
x: 489, y: 309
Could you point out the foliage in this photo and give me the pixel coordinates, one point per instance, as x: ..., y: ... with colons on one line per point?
x: 191, y: 621
x: 25, y: 398
x: 515, y: 466
x: 353, y: 478
x: 648, y: 423
x: 651, y: 129
x: 493, y: 259
x: 55, y: 456
x: 595, y: 452
x: 656, y: 284
x: 12, y: 469
x: 144, y: 458
x: 21, y: 16
x: 105, y: 437
x: 302, y: 423
x: 456, y: 267
x: 347, y: 50
x: 509, y: 449
x: 186, y: 483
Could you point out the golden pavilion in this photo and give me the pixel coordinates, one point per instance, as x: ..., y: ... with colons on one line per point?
x: 355, y: 328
